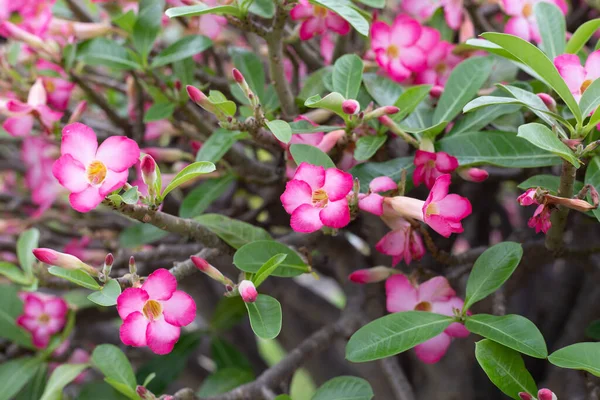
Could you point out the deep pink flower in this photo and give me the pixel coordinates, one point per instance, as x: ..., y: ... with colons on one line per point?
x: 247, y: 291
x: 434, y: 295
x: 424, y: 9
x: 543, y: 394
x: 522, y: 22
x: 396, y: 49
x: 316, y: 197
x: 90, y: 172
x: 540, y: 220
x: 154, y: 313
x: 317, y: 20
x: 403, y: 242
x: 372, y: 201
x: 43, y: 316
x: 429, y: 166
x: 440, y: 63
x: 577, y: 77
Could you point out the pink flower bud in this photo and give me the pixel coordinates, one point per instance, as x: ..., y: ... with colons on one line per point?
x: 132, y: 266
x: 209, y: 270
x: 436, y: 92
x: 574, y: 204
x: 386, y: 121
x: 473, y: 174
x: 525, y: 396
x: 548, y: 101
x: 37, y: 94
x: 178, y: 85
x: 237, y: 75
x: 350, y: 107
x: 144, y: 393
x: 247, y: 291
x: 196, y: 95
x: 109, y: 260
x: 371, y: 275
x: 148, y: 167
x: 66, y: 261
x: 391, y: 110
x: 78, y: 111
x: 546, y: 394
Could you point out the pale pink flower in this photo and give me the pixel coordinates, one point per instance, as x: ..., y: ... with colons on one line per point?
x: 543, y: 394
x: 522, y: 21
x: 316, y: 197
x: 434, y: 295
x: 402, y: 243
x: 154, y: 313
x: 396, y: 49
x: 327, y: 47
x: 247, y: 291
x: 429, y: 166
x: 540, y: 220
x: 424, y: 9
x: 58, y: 89
x: 38, y: 156
x: 372, y: 201
x: 90, y: 172
x: 317, y: 20
x: 43, y: 316
x: 440, y: 63
x: 577, y: 77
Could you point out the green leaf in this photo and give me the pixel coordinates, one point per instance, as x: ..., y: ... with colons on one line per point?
x: 251, y: 66
x: 107, y: 296
x: 373, y: 3
x: 267, y: 269
x: 218, y: 144
x: 481, y: 118
x: 394, y: 334
x: 580, y: 37
x: 367, y: 146
x: 549, y: 182
x: 107, y: 53
x: 344, y: 388
x: 125, y: 21
x: 590, y: 99
x: 35, y: 387
x: 552, y: 26
x: 580, y: 356
x: 545, y: 139
x: 303, y: 126
x: 538, y: 62
x: 252, y: 256
x: 226, y: 355
x: 393, y: 168
x: 201, y: 197
x: 113, y: 363
x: 224, y: 380
x: 229, y: 311
x: 27, y: 241
x: 332, y: 102
x: 310, y: 154
x: 131, y: 196
x: 345, y: 10
x: 409, y: 100
x: 263, y: 8
x: 593, y: 330
x: 313, y: 84
x: 219, y: 100
x: 190, y: 172
x: 10, y: 308
x: 185, y: 47
x: 432, y: 132
x: 491, y: 270
x: 15, y: 374
x: 347, y: 75
x: 265, y: 316
x: 77, y: 276
x: 201, y: 9
x: 159, y: 111
x: 14, y: 273
x: 503, y: 149
x: 383, y: 90
x: 505, y: 368
x: 139, y: 234
x: 513, y: 331
x: 61, y: 377
x: 592, y: 177
x: 100, y: 391
x: 280, y: 129
x: 147, y: 26
x: 236, y: 233
x: 463, y: 84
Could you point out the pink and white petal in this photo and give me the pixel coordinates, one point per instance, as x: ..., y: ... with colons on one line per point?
x: 562, y: 4
x: 55, y: 324
x: 397, y: 71
x: 27, y: 322
x: 180, y: 309
x: 400, y: 294
x: 457, y: 330
x: 337, y: 184
x: 382, y: 184
x: 162, y: 336
x: 453, y: 11
x: 86, y: 200
x: 330, y: 140
x: 312, y: 27
x: 380, y: 35
x: 454, y: 207
x: 372, y: 203
x: 18, y: 107
x: 513, y: 7
x: 302, y: 11
x: 382, y: 58
x: 130, y: 301
x: 413, y: 58
x: 419, y: 175
x: 79, y: 141
x: 33, y: 307
x: 337, y: 24
x: 405, y: 31
x: 423, y: 157
x: 160, y: 285
x: 592, y: 66
x: 518, y: 26
x: 429, y: 39
x: 70, y: 173
x: 436, y: 289
x: 444, y: 162
x: 312, y: 174
x: 306, y: 219
x: 19, y: 126
x: 392, y: 243
x: 113, y: 181
x: 570, y: 69
x: 296, y: 193
x: 48, y: 116
x: 336, y: 214
x: 133, y: 331
x: 211, y: 25
x: 56, y: 307
x: 434, y: 349
x: 439, y: 189
x: 443, y: 226
x: 118, y: 153
x: 40, y: 338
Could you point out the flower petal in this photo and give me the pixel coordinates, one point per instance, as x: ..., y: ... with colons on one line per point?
x: 571, y: 71
x: 33, y: 307
x: 27, y: 322
x: 18, y: 126
x: 162, y: 336
x: 160, y: 285
x: 180, y: 309
x: 337, y: 184
x: 130, y: 301
x: 113, y: 181
x: 40, y: 338
x: 56, y: 307
x: 380, y: 35
x: 79, y: 141
x: 405, y: 31
x: 454, y: 207
x: 337, y: 24
x: 439, y: 189
x: 413, y: 58
x: 518, y: 26
x: 312, y: 174
x: 296, y: 193
x: 133, y: 330
x: 592, y: 66
x: 336, y: 214
x: 383, y: 184
x: 372, y: 203
x: 436, y: 289
x: 434, y: 349
x: 442, y: 226
x: 444, y: 162
x: 306, y: 219
x: 447, y: 308
x: 118, y: 153
x: 400, y: 294
x: 311, y: 27
x: 70, y: 173
x: 302, y: 10
x: 86, y: 200
x: 429, y: 38
x: 393, y: 243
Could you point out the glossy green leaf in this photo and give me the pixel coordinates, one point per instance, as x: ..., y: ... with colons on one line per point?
x: 61, y: 377
x: 393, y: 334
x: 263, y: 8
x: 159, y: 111
x: 366, y: 172
x: 383, y: 90
x: 373, y: 3
x: 513, y: 331
x: 408, y: 101
x: 131, y: 196
x: 99, y: 390
x: 548, y: 182
x: 281, y: 130
x: 147, y: 25
x: 27, y: 241
x: 221, y: 102
x: 139, y: 234
x: 188, y: 173
x: 201, y: 9
x: 491, y: 270
x: 14, y: 273
x: 185, y: 47
x: 34, y: 389
x: 552, y: 26
x: 344, y: 388
x: 113, y: 363
x: 252, y: 256
x: 592, y: 177
x: 107, y: 296
x: 15, y: 374
x: 125, y: 21
x: 219, y: 143
x: 226, y: 355
x: 481, y: 118
x: 591, y: 98
x: 265, y: 316
x: 542, y: 137
x: 310, y: 154
x: 332, y: 102
x: 10, y: 308
x: 224, y: 380
x: 201, y: 197
x: 345, y: 10
x: 314, y: 83
x: 580, y: 356
x: 347, y: 75
x: 236, y: 233
x: 367, y: 146
x: 107, y: 53
x: 268, y: 268
x: 77, y: 276
x: 505, y: 368
x: 580, y: 37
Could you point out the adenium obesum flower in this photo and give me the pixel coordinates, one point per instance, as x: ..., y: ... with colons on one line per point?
x: 43, y: 316
x: 38, y: 155
x: 429, y: 166
x: 443, y: 212
x: 154, y: 313
x: 58, y: 89
x: 402, y: 243
x: 440, y: 62
x: 424, y: 9
x: 89, y: 171
x: 247, y: 291
x: 371, y: 275
x: 541, y: 217
x: 317, y: 20
x: 543, y: 394
x: 372, y: 201
x: 577, y: 77
x: 522, y: 20
x: 434, y: 295
x: 316, y: 197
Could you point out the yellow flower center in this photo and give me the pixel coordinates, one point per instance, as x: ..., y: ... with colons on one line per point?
x: 424, y: 306
x: 393, y: 51
x: 585, y: 85
x: 440, y: 69
x: 49, y: 86
x: 96, y: 173
x: 527, y: 10
x: 44, y: 318
x: 319, y: 198
x: 152, y: 310
x: 320, y: 12
x: 432, y: 209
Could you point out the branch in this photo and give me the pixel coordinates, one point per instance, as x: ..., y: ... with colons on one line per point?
x: 554, y: 237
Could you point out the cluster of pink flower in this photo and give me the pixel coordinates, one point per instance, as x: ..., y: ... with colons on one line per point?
x: 522, y: 20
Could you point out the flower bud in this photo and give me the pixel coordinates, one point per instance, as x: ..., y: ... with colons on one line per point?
x: 594, y: 195
x: 78, y: 111
x: 108, y: 263
x: 381, y: 112
x: 12, y: 31
x: 241, y: 81
x: 132, y: 266
x: 144, y: 393
x: 546, y: 394
x: 386, y: 121
x: 66, y: 261
x: 574, y: 204
x: 572, y: 143
x: 196, y: 95
x: 37, y: 94
x: 237, y: 75
x: 548, y: 101
x: 350, y: 107
x: 473, y: 174
x: 525, y: 396
x: 148, y: 167
x: 247, y: 291
x: 436, y: 92
x: 371, y: 275
x: 211, y: 271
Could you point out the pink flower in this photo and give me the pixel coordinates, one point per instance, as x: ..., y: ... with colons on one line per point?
x: 434, y: 295
x: 38, y: 156
x: 316, y: 197
x: 43, y: 316
x: 317, y: 20
x: 396, y: 47
x: 429, y: 166
x: 23, y: 115
x: 154, y: 313
x: 577, y: 77
x: 58, y: 89
x: 373, y: 202
x: 247, y: 291
x: 424, y: 9
x: 90, y: 172
x: 543, y: 394
x: 403, y: 242
x: 540, y: 220
x: 522, y: 22
x: 440, y: 62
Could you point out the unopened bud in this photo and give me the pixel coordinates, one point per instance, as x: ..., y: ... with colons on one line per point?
x: 386, y: 121
x: 574, y: 204
x: 381, y: 112
x: 247, y: 291
x: 350, y: 107
x: 108, y: 263
x: 144, y: 393
x: 436, y: 92
x: 148, y: 167
x: 78, y: 111
x: 546, y: 394
x: 241, y: 81
x: 525, y: 396
x: 237, y: 75
x: 205, y: 267
x: 473, y: 174
x: 591, y: 147
x: 178, y: 85
x: 572, y: 143
x: 371, y: 275
x: 12, y: 31
x: 196, y: 95
x: 548, y: 101
x: 132, y: 266
x: 66, y: 261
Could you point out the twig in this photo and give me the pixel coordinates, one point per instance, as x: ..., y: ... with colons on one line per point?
x: 79, y: 11
x: 554, y: 237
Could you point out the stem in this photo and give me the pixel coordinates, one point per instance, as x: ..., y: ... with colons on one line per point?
x: 554, y: 238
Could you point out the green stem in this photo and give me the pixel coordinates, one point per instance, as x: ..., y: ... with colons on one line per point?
x: 554, y: 237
